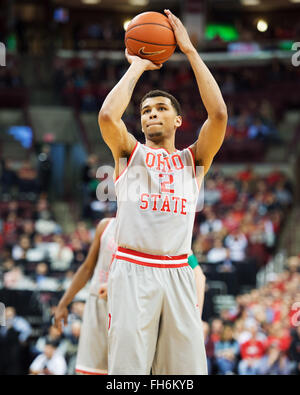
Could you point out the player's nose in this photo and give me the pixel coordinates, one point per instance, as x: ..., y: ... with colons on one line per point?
x: 153, y: 114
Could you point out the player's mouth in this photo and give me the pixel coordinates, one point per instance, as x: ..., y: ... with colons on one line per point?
x: 153, y: 124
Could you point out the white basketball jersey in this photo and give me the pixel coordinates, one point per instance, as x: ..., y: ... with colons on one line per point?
x: 157, y: 195
x: 107, y: 249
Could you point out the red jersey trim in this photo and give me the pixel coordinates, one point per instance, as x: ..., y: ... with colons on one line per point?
x: 164, y: 266
x: 163, y: 149
x: 90, y: 373
x: 150, y: 256
x: 128, y: 163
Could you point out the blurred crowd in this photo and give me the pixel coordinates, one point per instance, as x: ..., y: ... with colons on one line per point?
x: 85, y: 83
x: 10, y: 75
x: 261, y: 334
x: 242, y: 216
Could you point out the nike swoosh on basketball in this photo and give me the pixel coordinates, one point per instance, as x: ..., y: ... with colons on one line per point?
x: 143, y: 52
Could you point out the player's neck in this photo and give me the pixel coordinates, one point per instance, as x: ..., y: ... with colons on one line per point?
x: 167, y: 145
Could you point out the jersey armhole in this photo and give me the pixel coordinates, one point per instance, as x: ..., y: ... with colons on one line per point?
x: 194, y: 166
x: 128, y: 163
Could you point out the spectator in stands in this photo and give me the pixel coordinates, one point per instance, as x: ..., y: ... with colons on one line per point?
x: 209, y: 346
x: 60, y: 254
x: 217, y: 326
x: 218, y: 253
x: 283, y: 196
x: 82, y: 233
x: 20, y: 249
x: 229, y: 194
x: 212, y: 195
x: 71, y: 346
x: 259, y: 131
x: 15, y: 279
x: 13, y: 343
x: 53, y: 335
x: 275, y: 362
x: 79, y: 252
x: 211, y: 224
x: 237, y: 243
x: 45, y: 225
x: 43, y: 280
x: 252, y: 352
x: 50, y: 362
x: 226, y: 351
x: 38, y: 251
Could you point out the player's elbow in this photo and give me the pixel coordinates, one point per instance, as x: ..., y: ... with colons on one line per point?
x: 104, y: 116
x: 221, y: 114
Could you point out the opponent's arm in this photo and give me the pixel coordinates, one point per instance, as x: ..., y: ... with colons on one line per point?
x: 200, y: 280
x: 81, y: 277
x: 112, y: 127
x: 200, y: 285
x: 213, y: 130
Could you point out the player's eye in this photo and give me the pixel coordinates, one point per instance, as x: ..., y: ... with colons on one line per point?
x: 161, y: 108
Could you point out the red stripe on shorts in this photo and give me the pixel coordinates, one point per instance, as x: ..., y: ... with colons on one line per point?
x: 163, y: 265
x: 149, y: 256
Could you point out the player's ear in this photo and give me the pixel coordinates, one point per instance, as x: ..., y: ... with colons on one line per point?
x: 178, y: 121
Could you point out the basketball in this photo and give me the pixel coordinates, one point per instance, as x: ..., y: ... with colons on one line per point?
x: 150, y: 36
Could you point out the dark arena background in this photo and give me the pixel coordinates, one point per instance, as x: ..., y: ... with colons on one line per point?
x: 59, y: 59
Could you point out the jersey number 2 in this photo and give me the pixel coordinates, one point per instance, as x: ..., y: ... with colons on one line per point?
x: 165, y: 186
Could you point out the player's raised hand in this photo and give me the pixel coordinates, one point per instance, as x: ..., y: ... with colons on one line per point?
x: 147, y: 63
x: 61, y: 314
x: 181, y: 34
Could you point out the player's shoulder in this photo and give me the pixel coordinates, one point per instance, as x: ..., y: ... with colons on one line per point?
x: 103, y: 224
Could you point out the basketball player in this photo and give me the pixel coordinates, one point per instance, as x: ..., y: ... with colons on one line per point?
x: 152, y: 302
x: 92, y: 348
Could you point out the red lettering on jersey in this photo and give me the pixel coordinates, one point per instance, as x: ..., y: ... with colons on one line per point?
x: 143, y: 196
x: 183, y: 201
x: 154, y: 197
x: 176, y: 199
x: 167, y: 160
x: 166, y: 204
x: 177, y: 166
x: 161, y: 162
x: 150, y: 159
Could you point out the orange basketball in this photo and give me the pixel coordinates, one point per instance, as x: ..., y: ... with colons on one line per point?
x: 150, y: 36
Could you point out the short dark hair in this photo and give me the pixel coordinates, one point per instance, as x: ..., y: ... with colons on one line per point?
x: 156, y: 93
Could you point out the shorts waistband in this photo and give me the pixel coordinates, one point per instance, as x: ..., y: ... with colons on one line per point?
x: 161, y: 261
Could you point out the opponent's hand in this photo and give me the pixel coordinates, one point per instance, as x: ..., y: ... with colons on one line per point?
x: 148, y: 65
x: 61, y: 314
x: 181, y: 34
x: 103, y: 292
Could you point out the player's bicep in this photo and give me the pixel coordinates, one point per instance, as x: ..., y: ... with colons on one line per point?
x: 209, y: 141
x: 116, y: 135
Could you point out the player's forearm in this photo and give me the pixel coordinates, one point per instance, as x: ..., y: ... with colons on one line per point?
x: 80, y: 279
x: 209, y: 90
x: 200, y: 286
x: 119, y: 97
